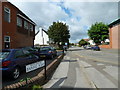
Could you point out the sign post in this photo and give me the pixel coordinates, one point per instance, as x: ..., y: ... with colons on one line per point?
x: 45, y: 70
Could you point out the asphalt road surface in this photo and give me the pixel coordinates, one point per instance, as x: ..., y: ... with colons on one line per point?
x: 82, y: 68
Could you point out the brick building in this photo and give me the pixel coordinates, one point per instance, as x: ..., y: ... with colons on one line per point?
x: 114, y: 34
x: 18, y: 30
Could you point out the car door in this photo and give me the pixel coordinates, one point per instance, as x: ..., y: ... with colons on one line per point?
x: 20, y: 59
x: 31, y: 58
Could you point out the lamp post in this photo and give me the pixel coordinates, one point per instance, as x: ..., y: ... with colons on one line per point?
x: 42, y: 36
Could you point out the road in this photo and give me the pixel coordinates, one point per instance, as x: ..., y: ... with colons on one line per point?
x: 7, y: 81
x: 86, y: 69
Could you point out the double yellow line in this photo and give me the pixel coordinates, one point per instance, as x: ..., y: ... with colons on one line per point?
x: 102, y: 61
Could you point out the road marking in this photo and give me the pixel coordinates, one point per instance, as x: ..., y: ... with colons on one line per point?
x: 114, y: 70
x: 99, y: 60
x: 99, y: 79
x: 86, y: 76
x: 81, y: 81
x: 85, y: 64
x: 66, y: 58
x: 100, y: 64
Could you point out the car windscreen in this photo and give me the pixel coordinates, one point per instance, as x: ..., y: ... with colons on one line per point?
x: 29, y: 49
x: 4, y: 54
x: 44, y: 48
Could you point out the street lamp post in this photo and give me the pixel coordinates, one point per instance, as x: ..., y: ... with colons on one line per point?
x: 42, y: 36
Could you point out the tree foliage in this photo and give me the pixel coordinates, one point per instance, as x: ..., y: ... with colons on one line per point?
x: 98, y: 32
x: 59, y: 32
x: 82, y: 42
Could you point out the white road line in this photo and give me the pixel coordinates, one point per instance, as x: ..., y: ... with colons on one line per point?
x: 99, y: 79
x: 77, y: 59
x: 81, y: 81
x: 85, y: 64
x: 68, y: 58
x: 100, y: 64
x: 86, y: 75
x: 112, y: 69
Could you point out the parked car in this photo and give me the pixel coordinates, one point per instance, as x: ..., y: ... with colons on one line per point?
x: 14, y: 61
x: 47, y: 52
x: 96, y: 48
x: 32, y: 50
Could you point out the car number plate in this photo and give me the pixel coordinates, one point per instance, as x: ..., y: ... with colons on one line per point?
x: 42, y: 55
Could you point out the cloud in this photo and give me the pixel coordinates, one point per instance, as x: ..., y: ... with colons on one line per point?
x: 89, y: 13
x: 78, y: 15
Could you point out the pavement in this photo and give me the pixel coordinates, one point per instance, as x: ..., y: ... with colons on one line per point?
x: 76, y: 71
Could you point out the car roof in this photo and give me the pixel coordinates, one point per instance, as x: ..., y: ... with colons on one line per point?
x: 46, y: 47
x: 10, y: 49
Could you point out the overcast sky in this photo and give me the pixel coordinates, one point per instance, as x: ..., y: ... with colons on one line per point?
x: 78, y: 15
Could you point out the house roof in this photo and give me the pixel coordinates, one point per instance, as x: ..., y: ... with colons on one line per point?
x: 20, y: 12
x: 45, y: 31
x: 86, y: 39
x: 115, y: 22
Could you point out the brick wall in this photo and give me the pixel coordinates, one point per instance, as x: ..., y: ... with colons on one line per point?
x: 19, y: 37
x: 104, y: 46
x: 0, y: 25
x: 115, y: 37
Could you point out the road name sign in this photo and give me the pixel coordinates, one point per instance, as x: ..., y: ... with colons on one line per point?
x: 34, y: 66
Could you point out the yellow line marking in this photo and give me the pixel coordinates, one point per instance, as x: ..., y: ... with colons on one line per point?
x: 99, y: 60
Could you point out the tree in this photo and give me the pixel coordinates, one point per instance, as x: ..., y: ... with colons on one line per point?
x: 82, y: 42
x: 98, y: 32
x: 59, y: 32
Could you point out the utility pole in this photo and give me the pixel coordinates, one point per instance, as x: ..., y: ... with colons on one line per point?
x: 42, y: 36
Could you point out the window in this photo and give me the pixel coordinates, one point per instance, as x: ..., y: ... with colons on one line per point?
x: 19, y: 21
x: 7, y: 39
x: 7, y: 14
x: 19, y: 54
x: 31, y: 27
x: 4, y: 54
x: 25, y: 24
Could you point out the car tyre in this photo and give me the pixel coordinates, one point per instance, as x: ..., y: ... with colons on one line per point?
x: 51, y: 57
x: 16, y: 73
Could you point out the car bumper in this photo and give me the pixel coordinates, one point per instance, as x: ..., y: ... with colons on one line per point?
x: 6, y: 71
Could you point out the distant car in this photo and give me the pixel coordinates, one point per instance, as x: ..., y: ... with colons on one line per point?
x: 88, y: 47
x: 84, y: 46
x: 47, y: 52
x: 14, y: 61
x: 96, y: 48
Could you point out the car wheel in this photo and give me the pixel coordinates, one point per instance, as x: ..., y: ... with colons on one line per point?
x: 55, y: 55
x: 51, y: 57
x: 16, y: 73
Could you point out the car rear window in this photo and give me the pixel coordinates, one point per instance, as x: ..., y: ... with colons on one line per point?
x: 44, y: 48
x: 29, y: 49
x: 4, y: 54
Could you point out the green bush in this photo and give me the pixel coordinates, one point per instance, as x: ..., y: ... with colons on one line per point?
x: 79, y: 45
x: 37, y: 87
x: 58, y: 48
